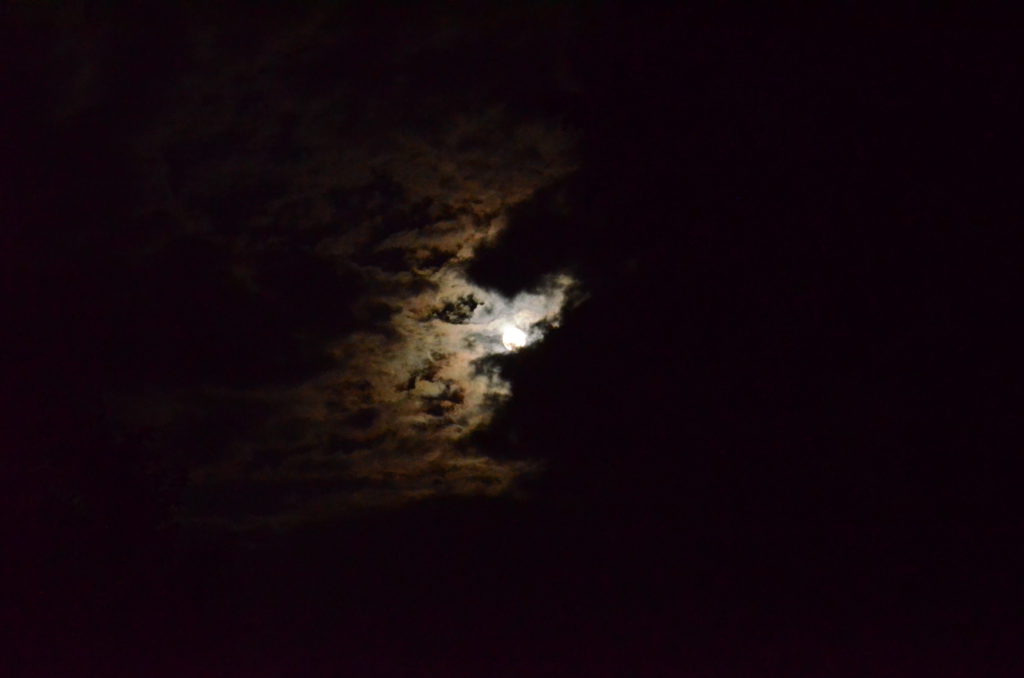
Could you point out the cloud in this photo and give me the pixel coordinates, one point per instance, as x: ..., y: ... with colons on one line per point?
x: 397, y: 204
x: 391, y: 418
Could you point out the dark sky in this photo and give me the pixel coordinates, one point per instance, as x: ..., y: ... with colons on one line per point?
x: 252, y: 429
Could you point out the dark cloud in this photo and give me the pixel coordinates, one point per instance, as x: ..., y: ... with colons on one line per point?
x: 301, y: 238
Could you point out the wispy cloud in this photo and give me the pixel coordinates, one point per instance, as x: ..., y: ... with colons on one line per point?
x: 395, y: 193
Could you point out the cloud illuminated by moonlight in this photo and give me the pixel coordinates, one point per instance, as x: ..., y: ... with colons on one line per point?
x: 389, y: 422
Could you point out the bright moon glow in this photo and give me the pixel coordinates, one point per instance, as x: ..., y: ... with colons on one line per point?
x: 513, y: 337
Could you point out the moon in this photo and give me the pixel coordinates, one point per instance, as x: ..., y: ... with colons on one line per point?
x: 513, y: 338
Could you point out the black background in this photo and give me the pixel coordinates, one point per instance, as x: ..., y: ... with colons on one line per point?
x: 779, y: 434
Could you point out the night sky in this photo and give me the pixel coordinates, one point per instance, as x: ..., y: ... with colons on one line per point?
x: 258, y: 419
